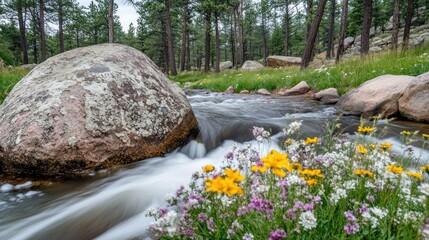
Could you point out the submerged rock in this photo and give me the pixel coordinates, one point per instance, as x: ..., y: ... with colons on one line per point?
x: 327, y: 96
x: 91, y: 108
x: 414, y: 104
x: 378, y: 96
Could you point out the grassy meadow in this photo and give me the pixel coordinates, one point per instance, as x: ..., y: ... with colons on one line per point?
x: 344, y: 76
x: 9, y: 76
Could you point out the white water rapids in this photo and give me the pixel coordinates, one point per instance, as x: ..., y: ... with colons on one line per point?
x: 112, y: 204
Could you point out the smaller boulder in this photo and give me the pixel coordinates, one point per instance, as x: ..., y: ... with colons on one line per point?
x: 230, y: 90
x: 244, y: 92
x: 328, y: 96
x: 300, y: 88
x: 283, y: 61
x: 225, y: 65
x: 348, y: 42
x: 375, y: 49
x: 263, y: 91
x: 414, y: 104
x: 251, y: 65
x: 378, y: 96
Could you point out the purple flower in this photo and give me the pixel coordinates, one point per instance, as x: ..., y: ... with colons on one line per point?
x: 370, y: 198
x: 308, y: 207
x: 202, y: 217
x: 162, y: 212
x: 350, y: 217
x: 229, y: 156
x: 260, y: 204
x: 189, y: 232
x: 257, y: 131
x: 210, y: 224
x: 351, y: 228
x: 278, y: 234
x: 363, y: 209
x: 317, y: 200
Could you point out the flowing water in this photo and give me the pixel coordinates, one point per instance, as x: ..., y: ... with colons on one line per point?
x: 111, y: 204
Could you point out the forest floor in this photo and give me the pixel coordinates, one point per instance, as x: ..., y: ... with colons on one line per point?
x: 344, y: 76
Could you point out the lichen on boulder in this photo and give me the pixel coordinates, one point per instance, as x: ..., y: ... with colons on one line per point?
x: 91, y: 108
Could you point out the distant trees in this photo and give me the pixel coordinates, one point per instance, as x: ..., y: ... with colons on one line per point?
x: 199, y: 34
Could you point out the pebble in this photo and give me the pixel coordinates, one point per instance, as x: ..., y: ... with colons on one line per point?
x: 6, y: 187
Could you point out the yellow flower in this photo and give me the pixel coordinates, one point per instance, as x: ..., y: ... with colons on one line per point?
x: 425, y: 168
x: 406, y: 133
x: 425, y: 136
x: 296, y: 166
x: 223, y: 185
x: 364, y: 172
x: 208, y: 168
x: 275, y: 161
x: 362, y: 149
x: 258, y: 169
x: 372, y: 146
x: 386, y: 146
x: 289, y: 142
x: 309, y: 141
x: 312, y: 173
x: 395, y: 169
x: 233, y: 175
x: 415, y: 174
x: 366, y: 130
x: 311, y: 181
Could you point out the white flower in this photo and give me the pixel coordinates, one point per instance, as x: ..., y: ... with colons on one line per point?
x: 307, y: 220
x: 169, y: 198
x: 337, y: 195
x: 293, y: 180
x: 226, y: 201
x: 350, y: 184
x: 424, y: 189
x: 248, y: 236
x: 150, y: 212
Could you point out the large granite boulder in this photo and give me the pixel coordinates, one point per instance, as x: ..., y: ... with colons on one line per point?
x: 91, y: 108
x: 348, y: 42
x: 225, y: 65
x: 283, y: 61
x: 378, y: 96
x: 251, y: 65
x: 414, y: 104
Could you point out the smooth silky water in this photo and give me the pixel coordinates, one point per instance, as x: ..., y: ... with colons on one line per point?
x: 111, y: 204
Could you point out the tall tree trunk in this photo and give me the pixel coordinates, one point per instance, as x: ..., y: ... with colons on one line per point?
x: 343, y: 26
x: 235, y: 49
x: 286, y: 41
x: 42, y: 29
x: 395, y: 23
x: 330, y: 47
x: 240, y: 31
x: 309, y: 17
x: 184, y: 34
x: 60, y: 25
x: 366, y: 27
x: 207, y: 42
x: 22, y: 37
x: 264, y: 36
x: 188, y: 53
x: 407, y: 26
x: 217, y: 65
x: 313, y: 34
x: 171, y: 61
x: 110, y: 21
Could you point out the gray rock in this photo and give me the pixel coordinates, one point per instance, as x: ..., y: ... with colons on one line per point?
x: 91, y: 108
x: 414, y: 104
x: 300, y: 88
x: 378, y: 96
x: 244, y: 92
x: 230, y: 90
x: 251, y: 65
x: 375, y: 49
x: 328, y: 96
x: 263, y: 91
x: 348, y: 42
x: 225, y: 65
x: 417, y: 41
x: 283, y: 61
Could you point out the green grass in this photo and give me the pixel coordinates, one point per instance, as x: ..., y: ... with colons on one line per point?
x: 344, y: 76
x: 9, y: 76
